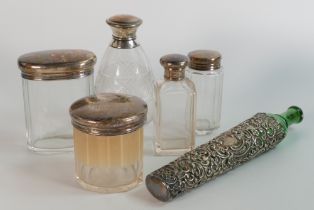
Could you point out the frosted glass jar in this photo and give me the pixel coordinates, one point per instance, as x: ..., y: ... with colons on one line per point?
x: 108, y: 141
x: 52, y: 80
x: 206, y: 73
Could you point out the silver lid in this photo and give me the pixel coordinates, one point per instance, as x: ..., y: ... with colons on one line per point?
x: 204, y: 60
x: 174, y: 65
x: 57, y: 64
x: 108, y: 114
x: 124, y: 29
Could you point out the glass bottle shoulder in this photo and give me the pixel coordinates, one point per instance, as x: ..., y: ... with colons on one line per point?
x: 217, y: 72
x: 185, y: 85
x: 124, y: 63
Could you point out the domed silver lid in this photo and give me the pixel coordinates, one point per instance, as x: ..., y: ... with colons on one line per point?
x: 57, y: 64
x: 108, y: 114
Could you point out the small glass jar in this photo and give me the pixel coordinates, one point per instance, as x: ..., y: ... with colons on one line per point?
x: 206, y: 73
x: 108, y: 141
x: 52, y: 80
x: 174, y: 120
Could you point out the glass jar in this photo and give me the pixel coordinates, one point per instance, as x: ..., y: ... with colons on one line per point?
x: 125, y: 67
x: 174, y: 119
x: 206, y: 73
x: 52, y: 80
x: 108, y: 141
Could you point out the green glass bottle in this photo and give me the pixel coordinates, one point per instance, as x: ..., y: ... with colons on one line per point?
x: 230, y: 149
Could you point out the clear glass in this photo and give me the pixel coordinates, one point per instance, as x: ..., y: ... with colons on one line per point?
x: 209, y: 85
x: 174, y: 119
x: 109, y: 164
x: 46, y: 104
x: 127, y: 71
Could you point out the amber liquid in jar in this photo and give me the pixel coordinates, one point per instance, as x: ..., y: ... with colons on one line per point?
x: 109, y: 163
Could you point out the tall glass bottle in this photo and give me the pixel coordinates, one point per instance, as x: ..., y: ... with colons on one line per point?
x: 174, y: 119
x: 227, y: 151
x: 207, y: 75
x: 124, y: 67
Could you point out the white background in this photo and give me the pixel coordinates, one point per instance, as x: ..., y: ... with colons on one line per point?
x: 268, y: 56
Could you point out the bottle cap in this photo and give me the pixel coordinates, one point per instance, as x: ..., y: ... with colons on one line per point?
x: 124, y: 26
x: 57, y: 64
x: 204, y: 60
x: 174, y: 65
x: 108, y: 114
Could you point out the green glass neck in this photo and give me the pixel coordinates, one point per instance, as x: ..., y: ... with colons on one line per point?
x: 293, y: 115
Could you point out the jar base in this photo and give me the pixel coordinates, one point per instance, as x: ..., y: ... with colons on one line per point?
x: 170, y: 152
x: 205, y: 127
x: 203, y: 132
x: 108, y: 190
x: 47, y: 151
x: 55, y: 144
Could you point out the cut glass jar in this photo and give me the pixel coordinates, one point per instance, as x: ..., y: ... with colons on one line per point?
x: 52, y: 80
x: 108, y: 141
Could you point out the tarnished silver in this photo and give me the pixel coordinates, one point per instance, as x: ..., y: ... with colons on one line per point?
x: 230, y: 149
x: 204, y: 60
x: 60, y: 64
x: 124, y: 44
x: 124, y: 29
x: 108, y: 114
x: 174, y: 65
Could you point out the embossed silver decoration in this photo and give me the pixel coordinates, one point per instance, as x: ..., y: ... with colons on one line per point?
x: 225, y: 152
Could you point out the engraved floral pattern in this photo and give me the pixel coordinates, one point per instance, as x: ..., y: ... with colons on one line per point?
x: 225, y: 152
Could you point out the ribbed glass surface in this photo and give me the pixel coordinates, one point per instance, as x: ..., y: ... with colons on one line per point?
x: 46, y: 103
x: 208, y: 86
x: 174, y: 119
x: 109, y: 163
x: 127, y: 71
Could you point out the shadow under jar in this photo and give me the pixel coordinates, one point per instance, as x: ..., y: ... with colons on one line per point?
x: 52, y: 80
x: 108, y: 141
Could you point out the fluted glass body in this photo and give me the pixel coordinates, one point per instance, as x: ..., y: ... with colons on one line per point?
x: 108, y: 141
x: 46, y: 104
x: 109, y: 164
x: 209, y: 85
x: 127, y: 71
x: 174, y: 119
